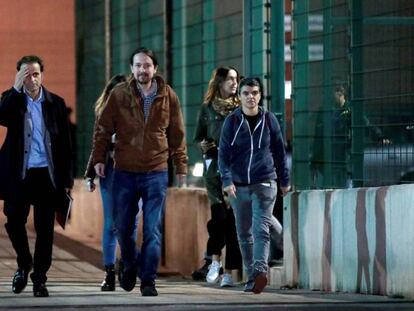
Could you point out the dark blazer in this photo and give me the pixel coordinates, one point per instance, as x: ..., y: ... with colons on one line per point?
x: 12, y: 110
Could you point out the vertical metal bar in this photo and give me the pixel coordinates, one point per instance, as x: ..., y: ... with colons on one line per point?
x: 357, y: 108
x: 168, y: 26
x: 168, y: 63
x: 247, y: 41
x: 168, y: 76
x: 209, y: 44
x: 267, y: 57
x: 327, y: 104
x: 300, y: 67
x: 277, y: 45
x: 108, y: 54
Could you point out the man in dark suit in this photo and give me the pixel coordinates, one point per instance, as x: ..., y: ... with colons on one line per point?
x: 35, y: 168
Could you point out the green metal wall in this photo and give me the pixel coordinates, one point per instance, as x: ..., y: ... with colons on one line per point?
x: 134, y: 24
x: 205, y: 34
x: 90, y: 70
x: 190, y: 39
x: 366, y: 47
x: 263, y: 49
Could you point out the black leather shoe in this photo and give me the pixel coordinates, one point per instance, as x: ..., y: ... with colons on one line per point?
x: 20, y: 280
x: 148, y: 288
x: 40, y: 290
x: 127, y: 279
x: 200, y: 274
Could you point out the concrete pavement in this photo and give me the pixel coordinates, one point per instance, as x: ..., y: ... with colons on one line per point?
x: 75, y: 277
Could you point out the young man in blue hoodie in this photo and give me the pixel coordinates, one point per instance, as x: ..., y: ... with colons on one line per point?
x: 251, y: 156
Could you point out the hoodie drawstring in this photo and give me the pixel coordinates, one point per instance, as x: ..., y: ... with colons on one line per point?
x: 237, y: 132
x: 261, y: 132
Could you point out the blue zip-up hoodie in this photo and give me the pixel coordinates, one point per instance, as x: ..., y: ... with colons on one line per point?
x: 251, y: 158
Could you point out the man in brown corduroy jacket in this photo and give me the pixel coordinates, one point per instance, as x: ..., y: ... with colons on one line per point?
x: 145, y: 115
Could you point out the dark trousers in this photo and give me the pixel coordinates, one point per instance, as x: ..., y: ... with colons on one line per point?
x: 222, y: 232
x: 222, y: 226
x: 37, y: 190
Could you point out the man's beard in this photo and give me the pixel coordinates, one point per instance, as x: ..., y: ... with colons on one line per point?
x: 144, y: 79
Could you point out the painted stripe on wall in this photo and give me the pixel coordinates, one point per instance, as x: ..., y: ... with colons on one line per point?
x: 294, y: 212
x: 362, y: 242
x: 380, y: 259
x: 351, y: 240
x: 327, y: 244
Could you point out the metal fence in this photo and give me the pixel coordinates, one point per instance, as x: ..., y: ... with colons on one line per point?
x: 353, y: 93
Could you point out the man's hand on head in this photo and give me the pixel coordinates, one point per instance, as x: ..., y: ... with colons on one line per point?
x: 20, y: 76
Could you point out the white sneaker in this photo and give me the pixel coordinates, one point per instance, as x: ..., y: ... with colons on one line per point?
x: 226, y: 280
x: 213, y: 272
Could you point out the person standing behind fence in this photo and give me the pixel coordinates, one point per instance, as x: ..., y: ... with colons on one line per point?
x: 146, y: 117
x: 220, y: 99
x: 251, y: 151
x: 105, y: 184
x: 35, y: 169
x: 335, y: 127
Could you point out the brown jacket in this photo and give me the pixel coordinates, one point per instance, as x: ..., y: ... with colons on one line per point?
x: 141, y: 146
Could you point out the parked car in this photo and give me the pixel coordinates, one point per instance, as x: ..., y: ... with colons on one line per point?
x: 392, y: 163
x: 388, y: 165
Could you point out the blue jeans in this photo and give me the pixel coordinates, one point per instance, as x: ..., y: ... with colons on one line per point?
x: 108, y: 231
x: 128, y: 188
x: 253, y: 207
